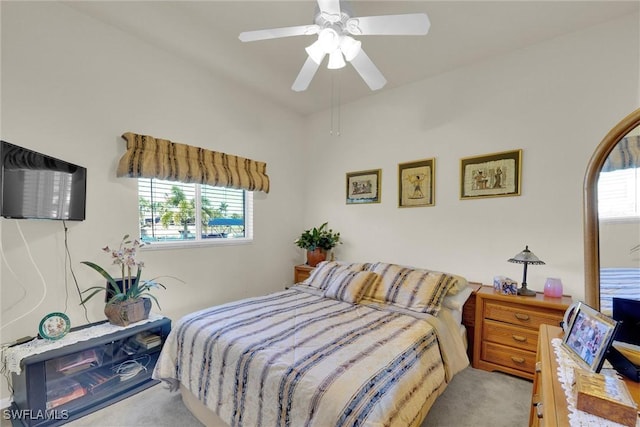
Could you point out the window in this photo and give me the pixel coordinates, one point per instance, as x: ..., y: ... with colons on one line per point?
x: 180, y: 213
x: 619, y: 194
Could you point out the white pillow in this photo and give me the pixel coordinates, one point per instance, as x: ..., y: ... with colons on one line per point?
x: 459, y: 284
x: 456, y: 301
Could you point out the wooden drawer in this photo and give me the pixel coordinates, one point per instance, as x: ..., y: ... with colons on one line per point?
x: 514, y: 336
x: 516, y: 314
x: 508, y: 356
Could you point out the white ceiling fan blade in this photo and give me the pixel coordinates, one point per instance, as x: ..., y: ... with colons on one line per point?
x: 330, y: 10
x: 368, y: 71
x: 274, y: 33
x: 400, y: 25
x: 305, y: 75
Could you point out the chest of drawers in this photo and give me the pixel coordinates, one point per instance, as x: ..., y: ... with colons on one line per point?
x: 548, y: 400
x: 506, y: 330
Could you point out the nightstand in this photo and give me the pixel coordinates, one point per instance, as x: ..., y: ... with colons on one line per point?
x: 301, y: 272
x: 506, y: 329
x: 469, y: 317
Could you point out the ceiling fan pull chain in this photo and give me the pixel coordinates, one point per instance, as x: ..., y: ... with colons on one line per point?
x: 331, y: 109
x: 335, y: 104
x: 339, y: 105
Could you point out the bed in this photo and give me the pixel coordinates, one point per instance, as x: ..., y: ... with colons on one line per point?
x: 355, y: 344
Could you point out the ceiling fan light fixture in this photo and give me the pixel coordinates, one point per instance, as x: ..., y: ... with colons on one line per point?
x: 350, y: 47
x: 316, y: 52
x: 336, y: 61
x: 329, y: 39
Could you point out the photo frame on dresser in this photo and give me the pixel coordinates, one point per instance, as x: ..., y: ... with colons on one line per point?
x: 589, y: 337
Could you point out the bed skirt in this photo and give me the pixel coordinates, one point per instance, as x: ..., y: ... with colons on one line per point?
x: 207, y: 417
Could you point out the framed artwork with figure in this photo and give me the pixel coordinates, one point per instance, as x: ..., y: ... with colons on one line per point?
x: 416, y: 183
x: 491, y: 175
x: 363, y: 186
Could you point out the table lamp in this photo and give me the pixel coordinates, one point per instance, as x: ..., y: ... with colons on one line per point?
x: 526, y: 257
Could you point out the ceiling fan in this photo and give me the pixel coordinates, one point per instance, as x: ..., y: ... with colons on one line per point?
x: 334, y: 26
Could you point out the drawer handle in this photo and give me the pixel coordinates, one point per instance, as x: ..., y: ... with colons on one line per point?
x: 521, y: 316
x: 519, y: 338
x: 538, y: 367
x: 539, y: 410
x: 517, y: 359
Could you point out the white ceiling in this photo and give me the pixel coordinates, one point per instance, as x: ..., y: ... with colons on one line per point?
x: 462, y: 32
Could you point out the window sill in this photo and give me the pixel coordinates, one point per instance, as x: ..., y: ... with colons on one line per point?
x: 620, y: 220
x: 158, y: 246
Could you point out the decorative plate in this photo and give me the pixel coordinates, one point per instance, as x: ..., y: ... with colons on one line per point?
x: 54, y: 326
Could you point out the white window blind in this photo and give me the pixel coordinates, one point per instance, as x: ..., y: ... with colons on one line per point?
x: 176, y: 212
x: 619, y: 194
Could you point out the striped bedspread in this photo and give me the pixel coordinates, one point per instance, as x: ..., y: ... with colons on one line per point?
x: 618, y: 282
x: 297, y: 359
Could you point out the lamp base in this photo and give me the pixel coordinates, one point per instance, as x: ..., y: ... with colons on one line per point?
x: 526, y: 292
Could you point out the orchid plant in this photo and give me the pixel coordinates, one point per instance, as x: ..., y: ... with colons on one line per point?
x: 132, y: 286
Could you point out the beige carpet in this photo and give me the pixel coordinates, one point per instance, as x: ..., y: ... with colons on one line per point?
x: 473, y: 399
x: 478, y: 398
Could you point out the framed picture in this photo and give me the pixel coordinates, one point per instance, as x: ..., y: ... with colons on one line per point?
x: 491, y: 175
x: 363, y: 186
x: 589, y: 337
x: 416, y: 183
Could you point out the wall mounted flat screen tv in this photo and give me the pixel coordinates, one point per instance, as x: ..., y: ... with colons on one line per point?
x: 37, y: 186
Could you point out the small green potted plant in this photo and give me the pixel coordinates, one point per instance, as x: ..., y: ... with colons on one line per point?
x: 317, y: 242
x: 128, y: 300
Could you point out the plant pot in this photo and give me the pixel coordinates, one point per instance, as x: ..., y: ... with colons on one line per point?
x: 316, y: 256
x: 123, y: 313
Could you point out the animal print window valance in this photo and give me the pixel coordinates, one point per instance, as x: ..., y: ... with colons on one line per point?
x: 149, y: 157
x: 625, y: 155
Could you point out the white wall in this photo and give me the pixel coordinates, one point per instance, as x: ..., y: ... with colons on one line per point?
x: 70, y: 87
x: 555, y: 100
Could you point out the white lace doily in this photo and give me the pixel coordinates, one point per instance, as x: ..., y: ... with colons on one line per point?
x: 13, y: 356
x: 577, y: 418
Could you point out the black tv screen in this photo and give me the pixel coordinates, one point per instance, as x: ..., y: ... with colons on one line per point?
x: 37, y: 186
